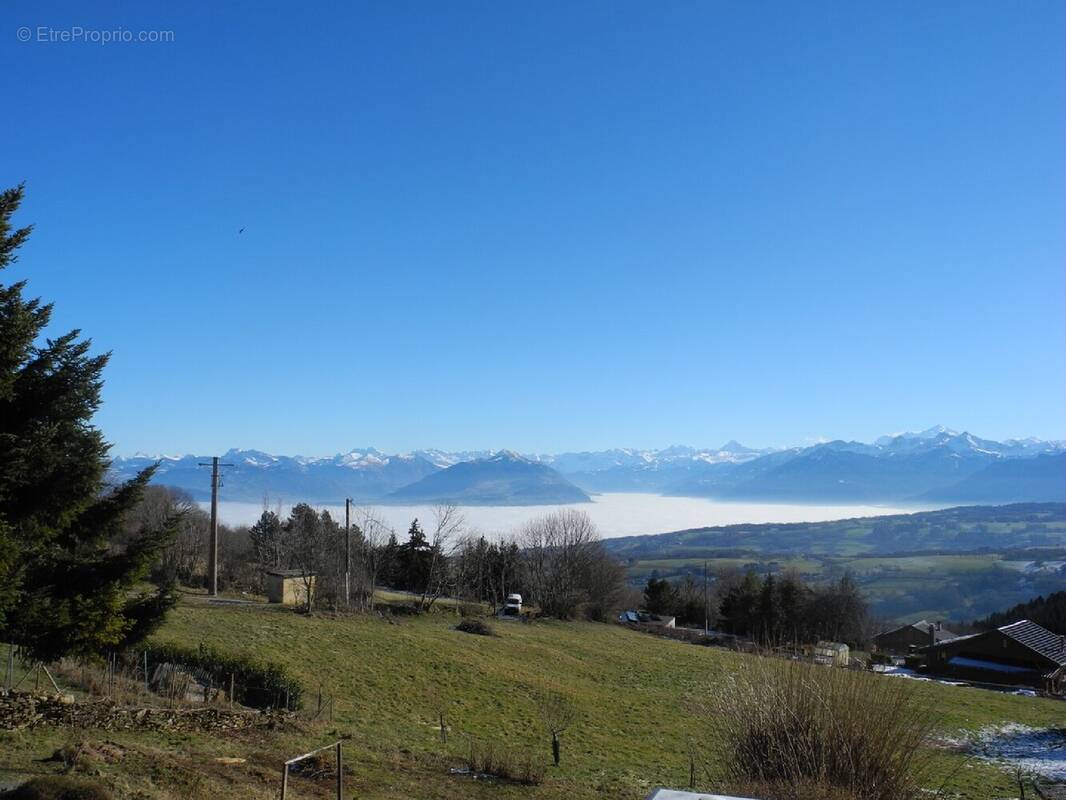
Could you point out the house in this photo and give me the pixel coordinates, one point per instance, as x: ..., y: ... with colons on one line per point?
x: 1020, y: 654
x: 832, y: 654
x: 647, y: 618
x: 288, y: 586
x: 902, y: 640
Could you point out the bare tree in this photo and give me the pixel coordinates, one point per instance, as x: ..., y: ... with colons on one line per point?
x: 557, y: 713
x: 559, y: 550
x: 447, y: 530
x: 184, y: 558
x: 371, y: 551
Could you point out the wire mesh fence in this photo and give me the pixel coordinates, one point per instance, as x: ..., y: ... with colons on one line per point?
x: 152, y: 677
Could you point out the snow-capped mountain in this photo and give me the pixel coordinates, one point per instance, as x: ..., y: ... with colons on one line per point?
x: 505, y: 478
x: 936, y: 463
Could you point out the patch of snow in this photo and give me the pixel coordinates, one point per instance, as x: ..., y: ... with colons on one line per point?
x: 1036, y: 751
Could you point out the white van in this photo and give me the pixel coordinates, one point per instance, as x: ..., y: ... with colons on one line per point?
x: 513, y: 606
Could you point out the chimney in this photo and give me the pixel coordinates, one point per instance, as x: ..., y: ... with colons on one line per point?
x: 932, y: 633
x: 939, y: 625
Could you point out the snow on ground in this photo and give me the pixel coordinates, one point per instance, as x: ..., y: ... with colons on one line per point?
x: 1040, y: 752
x: 893, y: 671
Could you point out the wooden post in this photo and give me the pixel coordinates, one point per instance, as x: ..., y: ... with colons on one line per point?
x: 10, y: 666
x: 146, y: 671
x: 51, y: 679
x: 340, y: 773
x: 443, y: 729
x: 284, y: 780
x: 231, y: 689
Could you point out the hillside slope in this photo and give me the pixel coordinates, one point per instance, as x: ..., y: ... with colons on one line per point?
x: 389, y: 678
x: 964, y: 528
x: 1035, y: 479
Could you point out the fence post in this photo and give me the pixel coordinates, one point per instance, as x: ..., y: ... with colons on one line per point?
x: 284, y: 780
x: 340, y: 773
x: 231, y: 689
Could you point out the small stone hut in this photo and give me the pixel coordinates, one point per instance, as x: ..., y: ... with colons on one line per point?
x: 288, y: 586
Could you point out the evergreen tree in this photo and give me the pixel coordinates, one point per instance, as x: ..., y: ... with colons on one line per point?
x: 390, y: 557
x: 414, y: 559
x: 660, y: 597
x: 268, y: 539
x: 66, y: 586
x: 738, y: 606
x: 767, y: 612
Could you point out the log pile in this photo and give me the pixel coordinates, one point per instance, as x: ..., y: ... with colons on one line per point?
x: 20, y: 710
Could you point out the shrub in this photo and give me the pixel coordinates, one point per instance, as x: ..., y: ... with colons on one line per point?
x: 258, y: 684
x: 840, y: 733
x: 58, y: 787
x: 474, y: 625
x: 505, y: 763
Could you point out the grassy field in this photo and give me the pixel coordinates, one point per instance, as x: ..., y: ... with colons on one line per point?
x: 389, y: 677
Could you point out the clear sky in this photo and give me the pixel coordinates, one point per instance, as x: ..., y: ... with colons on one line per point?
x: 548, y: 225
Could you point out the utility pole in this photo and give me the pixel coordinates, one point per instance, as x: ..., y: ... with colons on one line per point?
x: 347, y: 553
x: 706, y: 618
x: 212, y: 553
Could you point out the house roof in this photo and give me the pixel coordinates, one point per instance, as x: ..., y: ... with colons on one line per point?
x: 1028, y: 634
x: 289, y: 573
x: 923, y: 627
x: 1037, y: 638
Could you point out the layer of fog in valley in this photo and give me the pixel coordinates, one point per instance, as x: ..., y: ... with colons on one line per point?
x: 615, y: 514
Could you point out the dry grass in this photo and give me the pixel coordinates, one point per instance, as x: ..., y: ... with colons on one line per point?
x: 504, y: 762
x: 798, y: 731
x: 58, y: 787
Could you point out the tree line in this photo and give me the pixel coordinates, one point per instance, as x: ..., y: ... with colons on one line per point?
x: 776, y: 609
x: 1049, y: 611
x: 556, y: 562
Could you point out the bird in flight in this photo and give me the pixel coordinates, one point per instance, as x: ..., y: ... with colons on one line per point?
x: 241, y: 230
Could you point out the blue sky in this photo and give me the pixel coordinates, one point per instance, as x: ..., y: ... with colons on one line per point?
x: 549, y: 225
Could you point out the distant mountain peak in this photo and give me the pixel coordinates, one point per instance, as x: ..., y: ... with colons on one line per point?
x: 733, y: 446
x: 928, y: 434
x: 932, y: 433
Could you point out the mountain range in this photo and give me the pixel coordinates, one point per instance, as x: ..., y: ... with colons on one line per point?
x: 935, y: 465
